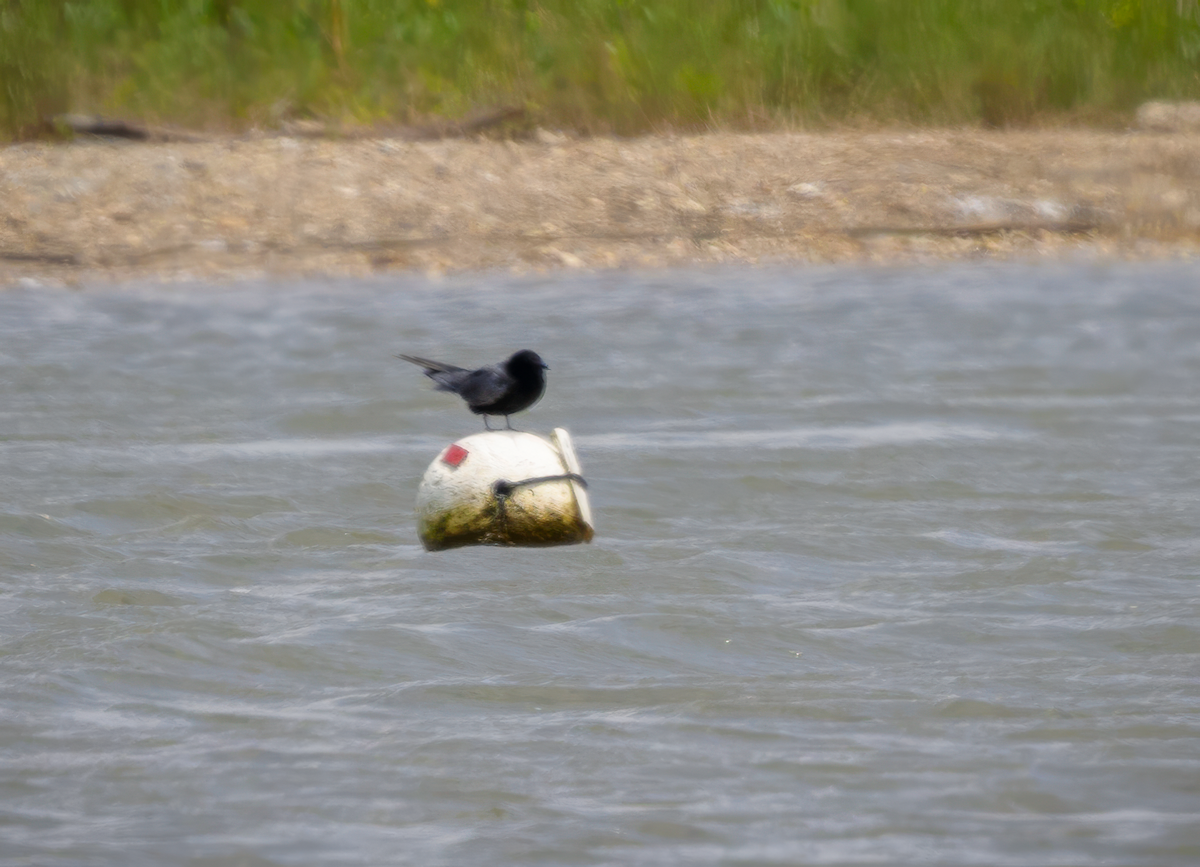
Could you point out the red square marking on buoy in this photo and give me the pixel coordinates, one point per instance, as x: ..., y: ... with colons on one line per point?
x: 455, y: 455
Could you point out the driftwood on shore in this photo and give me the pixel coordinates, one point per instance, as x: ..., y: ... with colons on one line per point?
x: 472, y: 124
x: 87, y: 124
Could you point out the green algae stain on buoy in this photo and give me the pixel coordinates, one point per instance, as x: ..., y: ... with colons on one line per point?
x: 504, y: 488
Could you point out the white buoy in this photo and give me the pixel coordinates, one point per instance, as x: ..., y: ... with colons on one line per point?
x: 504, y: 488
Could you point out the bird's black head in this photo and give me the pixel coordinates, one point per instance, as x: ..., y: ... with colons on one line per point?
x: 526, y: 359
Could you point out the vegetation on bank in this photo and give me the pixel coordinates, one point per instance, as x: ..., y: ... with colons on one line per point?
x: 623, y: 66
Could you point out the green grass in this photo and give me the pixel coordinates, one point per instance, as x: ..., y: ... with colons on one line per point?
x: 624, y: 66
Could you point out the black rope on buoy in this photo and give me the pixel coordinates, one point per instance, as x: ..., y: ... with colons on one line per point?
x: 502, y: 489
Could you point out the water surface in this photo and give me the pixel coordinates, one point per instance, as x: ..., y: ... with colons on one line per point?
x: 891, y: 567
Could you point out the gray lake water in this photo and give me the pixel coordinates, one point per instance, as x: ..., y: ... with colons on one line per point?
x: 891, y: 567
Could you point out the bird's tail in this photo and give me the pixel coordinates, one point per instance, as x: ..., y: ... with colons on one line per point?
x: 430, y: 366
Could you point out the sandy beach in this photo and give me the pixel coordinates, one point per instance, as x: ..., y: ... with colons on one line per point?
x: 254, y: 207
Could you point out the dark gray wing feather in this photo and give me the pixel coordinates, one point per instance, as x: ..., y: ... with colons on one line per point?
x: 485, y: 386
x: 447, y: 377
x: 431, y: 365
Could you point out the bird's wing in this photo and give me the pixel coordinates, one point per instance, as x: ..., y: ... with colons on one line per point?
x: 431, y: 365
x: 485, y: 386
x: 446, y: 377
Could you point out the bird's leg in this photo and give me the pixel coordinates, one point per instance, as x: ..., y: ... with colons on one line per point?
x: 486, y: 426
x: 508, y: 424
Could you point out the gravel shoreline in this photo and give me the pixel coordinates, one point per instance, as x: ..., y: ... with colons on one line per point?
x: 101, y: 211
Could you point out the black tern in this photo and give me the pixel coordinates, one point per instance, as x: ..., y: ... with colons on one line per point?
x: 498, y: 389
